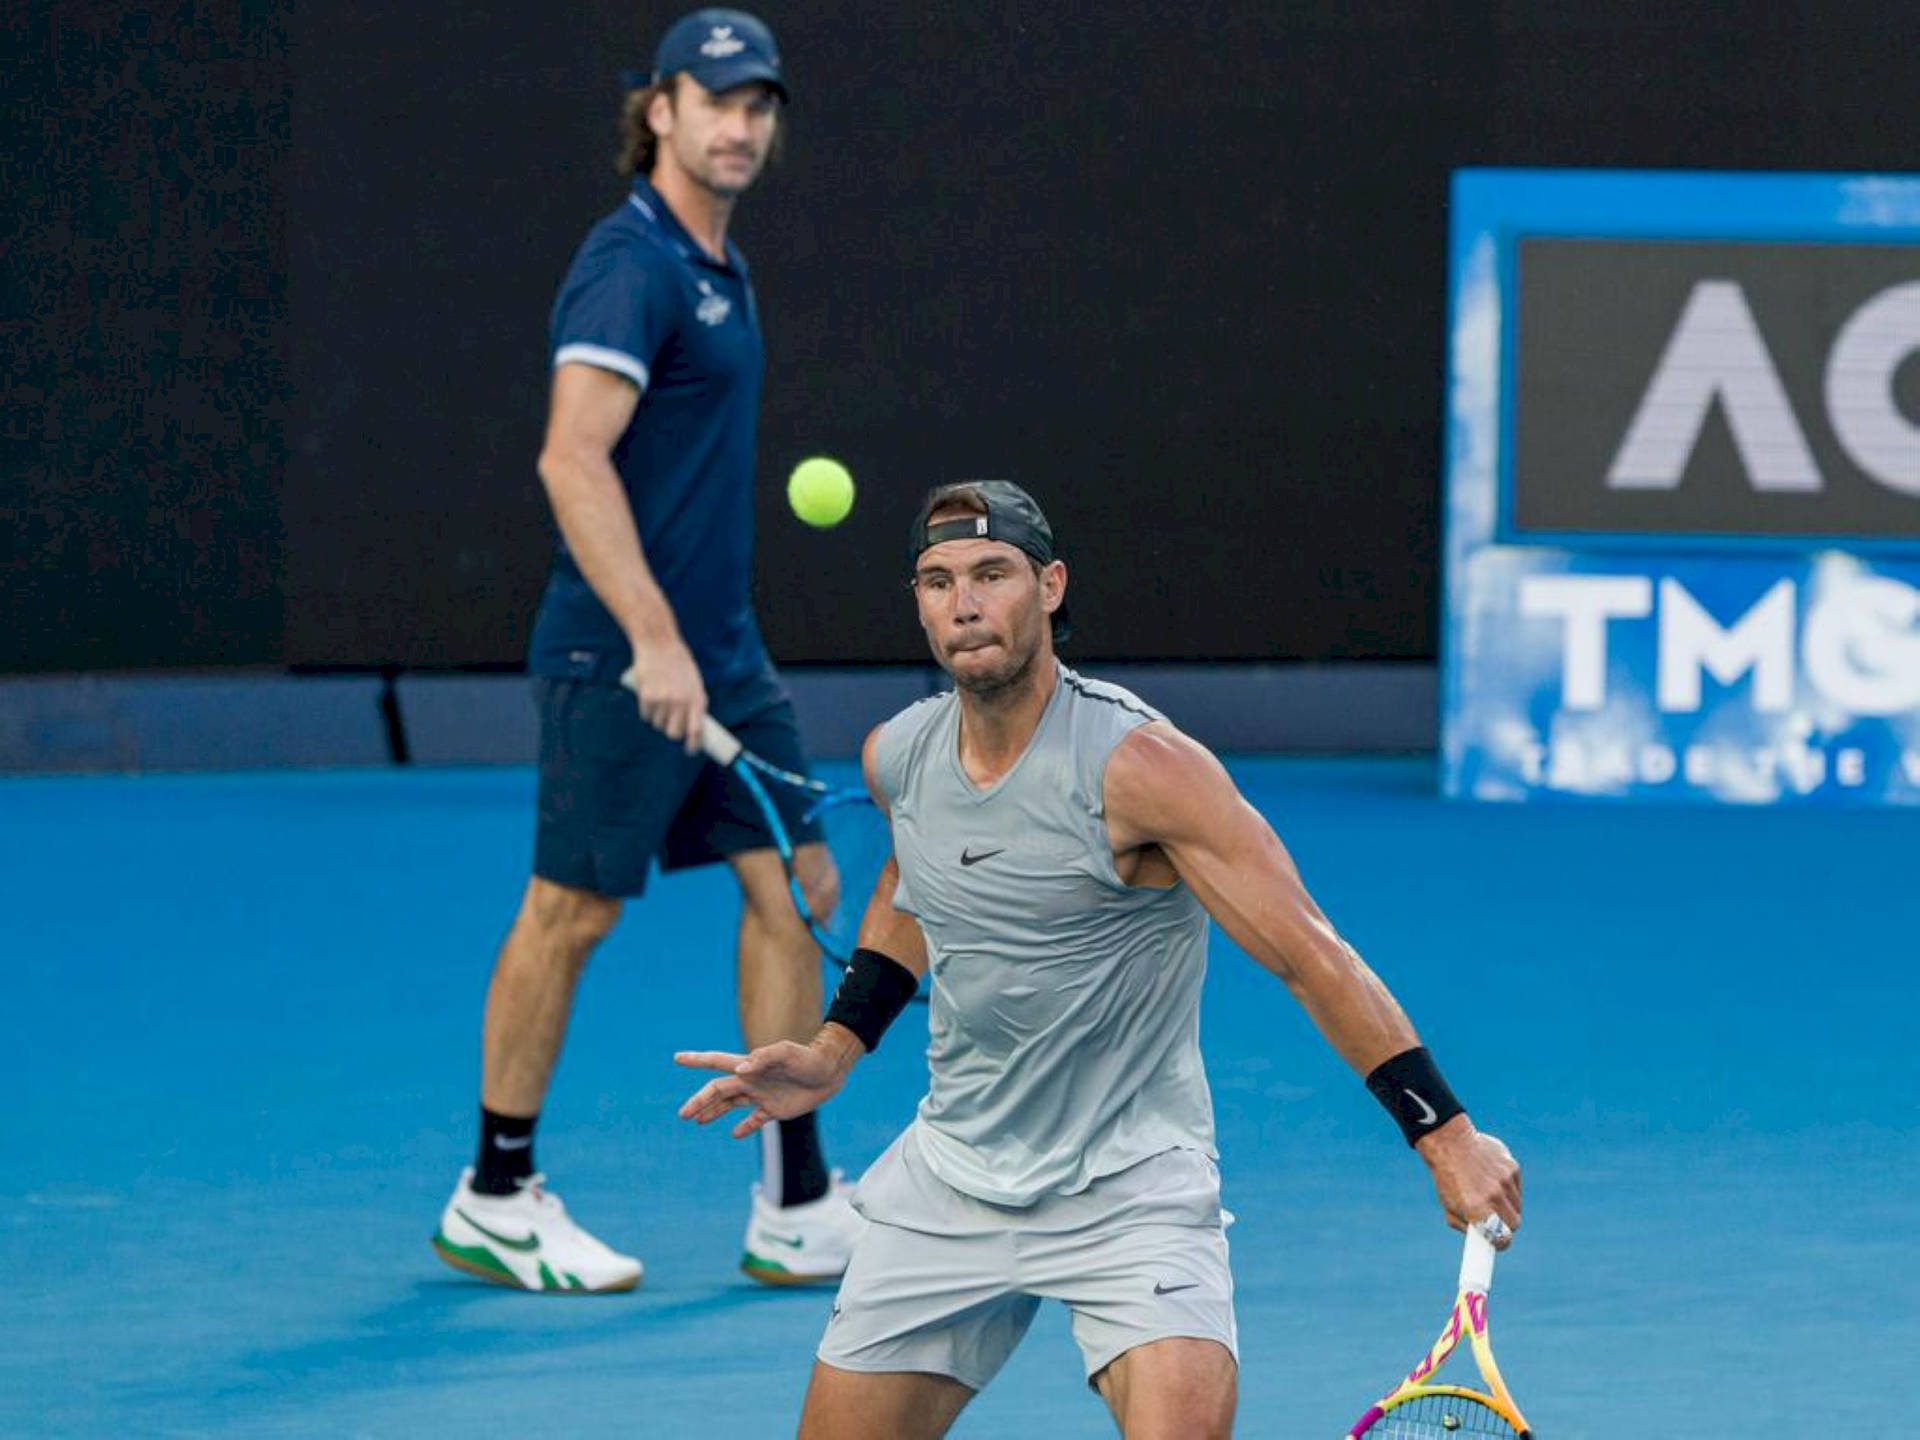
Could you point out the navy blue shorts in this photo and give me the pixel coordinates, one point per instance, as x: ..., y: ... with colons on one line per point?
x: 617, y: 795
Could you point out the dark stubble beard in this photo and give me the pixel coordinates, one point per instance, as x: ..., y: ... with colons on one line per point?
x: 722, y: 192
x: 989, y: 688
x: 703, y: 176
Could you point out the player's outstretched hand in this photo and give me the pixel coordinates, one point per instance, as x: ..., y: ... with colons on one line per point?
x: 1474, y: 1175
x: 775, y: 1082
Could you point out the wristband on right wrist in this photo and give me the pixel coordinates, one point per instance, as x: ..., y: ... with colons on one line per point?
x: 1411, y: 1088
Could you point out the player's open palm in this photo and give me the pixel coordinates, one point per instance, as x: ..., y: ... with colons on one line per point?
x: 774, y: 1082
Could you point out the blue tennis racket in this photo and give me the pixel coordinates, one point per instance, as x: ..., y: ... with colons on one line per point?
x: 855, y: 830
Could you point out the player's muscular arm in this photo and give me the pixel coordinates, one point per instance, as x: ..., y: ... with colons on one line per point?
x: 1165, y: 789
x: 589, y: 412
x: 883, y: 928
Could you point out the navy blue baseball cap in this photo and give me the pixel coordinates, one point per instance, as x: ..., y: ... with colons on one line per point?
x: 720, y: 49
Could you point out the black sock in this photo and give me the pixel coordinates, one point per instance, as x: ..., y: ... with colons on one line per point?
x: 506, y: 1152
x: 802, y: 1169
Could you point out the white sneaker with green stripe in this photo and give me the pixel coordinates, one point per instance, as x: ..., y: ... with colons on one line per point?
x: 806, y: 1244
x: 528, y: 1241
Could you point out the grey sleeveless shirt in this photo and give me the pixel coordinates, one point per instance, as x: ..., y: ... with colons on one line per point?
x: 1065, y: 1004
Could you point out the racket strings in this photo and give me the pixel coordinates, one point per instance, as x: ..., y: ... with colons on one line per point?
x: 1441, y: 1417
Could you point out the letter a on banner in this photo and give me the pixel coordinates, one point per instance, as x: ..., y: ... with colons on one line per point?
x: 1716, y: 351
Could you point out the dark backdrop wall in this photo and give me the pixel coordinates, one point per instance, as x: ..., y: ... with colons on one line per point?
x: 142, y: 439
x: 1182, y: 274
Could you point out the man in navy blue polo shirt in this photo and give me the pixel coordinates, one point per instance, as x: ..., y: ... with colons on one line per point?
x: 648, y: 463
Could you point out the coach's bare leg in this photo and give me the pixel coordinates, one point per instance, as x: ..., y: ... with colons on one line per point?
x: 779, y: 963
x: 531, y: 996
x: 902, y: 1405
x: 1172, y: 1390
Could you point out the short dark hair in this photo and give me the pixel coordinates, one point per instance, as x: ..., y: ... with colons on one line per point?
x: 957, y: 495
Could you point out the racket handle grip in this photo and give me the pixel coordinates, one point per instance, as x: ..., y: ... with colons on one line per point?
x: 1476, y: 1263
x: 719, y: 742
x: 716, y: 740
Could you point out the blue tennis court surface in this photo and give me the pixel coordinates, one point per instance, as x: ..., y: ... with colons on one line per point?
x: 241, y: 1032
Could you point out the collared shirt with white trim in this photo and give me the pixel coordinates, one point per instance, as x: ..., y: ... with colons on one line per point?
x: 643, y: 301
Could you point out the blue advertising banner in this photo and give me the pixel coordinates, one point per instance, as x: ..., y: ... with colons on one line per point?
x: 1683, y: 488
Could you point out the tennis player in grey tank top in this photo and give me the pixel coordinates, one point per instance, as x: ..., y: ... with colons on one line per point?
x: 1058, y: 849
x: 1065, y: 1003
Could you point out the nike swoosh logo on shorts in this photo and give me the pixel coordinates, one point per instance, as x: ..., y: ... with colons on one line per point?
x: 967, y: 857
x: 1160, y: 1289
x: 525, y: 1247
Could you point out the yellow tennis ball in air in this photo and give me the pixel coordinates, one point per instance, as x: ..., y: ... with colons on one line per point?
x: 820, y: 491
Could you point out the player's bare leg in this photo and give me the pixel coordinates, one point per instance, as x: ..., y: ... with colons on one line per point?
x: 802, y: 1229
x: 531, y: 996
x: 779, y: 962
x: 1179, y: 1389
x: 522, y: 1235
x: 901, y: 1405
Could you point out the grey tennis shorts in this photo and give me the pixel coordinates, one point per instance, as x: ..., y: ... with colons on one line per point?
x: 944, y: 1283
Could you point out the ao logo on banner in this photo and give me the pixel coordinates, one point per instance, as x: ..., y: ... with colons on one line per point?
x: 1669, y: 390
x: 1717, y: 354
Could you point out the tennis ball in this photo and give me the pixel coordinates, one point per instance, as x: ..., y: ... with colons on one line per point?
x: 820, y: 491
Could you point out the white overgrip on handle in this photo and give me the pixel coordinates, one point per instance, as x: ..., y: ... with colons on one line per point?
x: 719, y: 742
x: 1476, y: 1262
x: 715, y: 739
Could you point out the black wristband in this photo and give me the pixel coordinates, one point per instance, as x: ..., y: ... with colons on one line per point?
x: 1416, y: 1096
x: 875, y: 989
